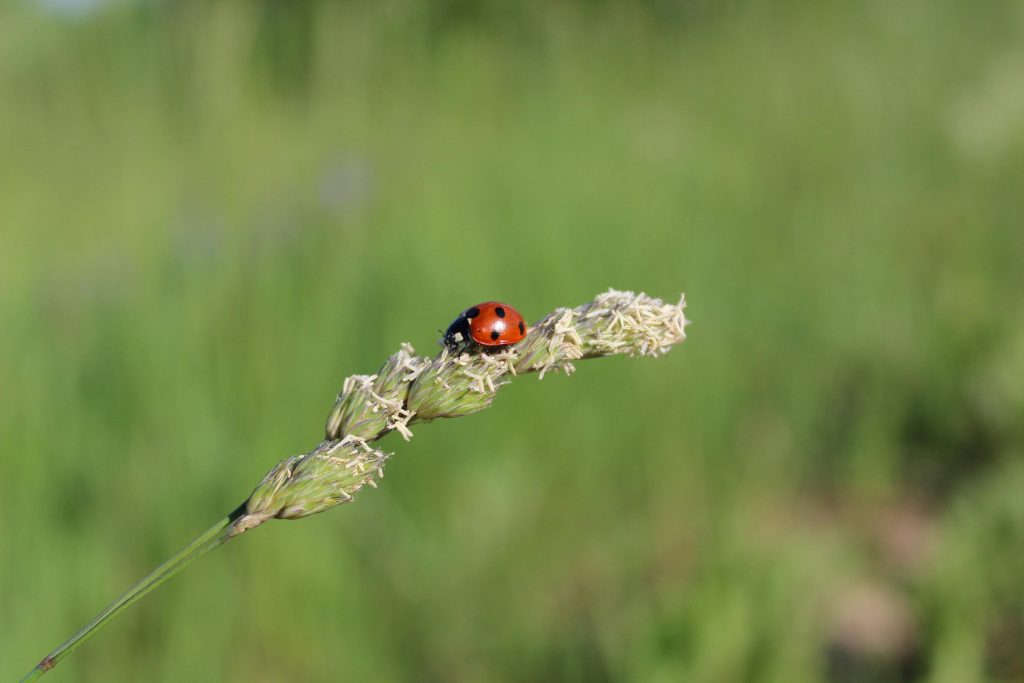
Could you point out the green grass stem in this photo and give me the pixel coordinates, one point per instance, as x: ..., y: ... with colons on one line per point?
x: 207, y: 541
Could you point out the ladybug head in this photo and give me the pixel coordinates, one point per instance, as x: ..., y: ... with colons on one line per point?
x: 457, y: 333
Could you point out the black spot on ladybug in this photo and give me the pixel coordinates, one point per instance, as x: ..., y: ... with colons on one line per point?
x: 500, y: 312
x: 495, y: 334
x: 522, y: 329
x: 472, y: 312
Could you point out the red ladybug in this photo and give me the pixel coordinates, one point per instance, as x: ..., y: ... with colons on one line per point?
x: 491, y: 323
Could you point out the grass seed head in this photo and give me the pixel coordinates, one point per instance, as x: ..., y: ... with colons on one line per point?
x: 409, y: 389
x: 371, y: 405
x: 304, y: 485
x: 455, y: 385
x: 613, y: 323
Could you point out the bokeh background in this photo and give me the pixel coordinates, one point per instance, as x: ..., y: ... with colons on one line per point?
x: 212, y: 212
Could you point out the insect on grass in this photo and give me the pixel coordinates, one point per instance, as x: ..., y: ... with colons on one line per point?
x: 407, y: 390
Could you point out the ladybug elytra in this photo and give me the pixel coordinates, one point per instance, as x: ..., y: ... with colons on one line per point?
x: 491, y: 323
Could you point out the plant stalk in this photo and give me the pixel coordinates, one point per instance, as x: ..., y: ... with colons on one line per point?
x: 407, y: 390
x: 213, y: 537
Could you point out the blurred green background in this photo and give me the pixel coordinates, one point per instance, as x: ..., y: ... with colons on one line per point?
x: 212, y: 212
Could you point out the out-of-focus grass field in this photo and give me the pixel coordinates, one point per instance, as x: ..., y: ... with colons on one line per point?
x: 212, y: 212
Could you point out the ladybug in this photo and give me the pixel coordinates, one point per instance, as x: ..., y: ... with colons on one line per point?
x: 491, y: 323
